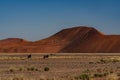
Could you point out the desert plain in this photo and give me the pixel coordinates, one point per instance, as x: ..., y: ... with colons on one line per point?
x: 60, y: 66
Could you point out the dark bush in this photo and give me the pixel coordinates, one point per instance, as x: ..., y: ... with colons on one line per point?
x: 46, y: 69
x: 84, y: 77
x: 99, y: 75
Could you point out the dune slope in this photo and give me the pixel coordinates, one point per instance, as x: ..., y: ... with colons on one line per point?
x: 72, y: 40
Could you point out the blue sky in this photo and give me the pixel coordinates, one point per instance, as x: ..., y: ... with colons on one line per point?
x: 37, y: 19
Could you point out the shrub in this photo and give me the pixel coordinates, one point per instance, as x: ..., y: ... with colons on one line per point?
x: 91, y: 62
x: 28, y: 69
x: 103, y: 61
x: 11, y: 70
x: 32, y: 68
x: 36, y: 69
x: 105, y: 74
x: 83, y: 77
x: 20, y: 69
x: 98, y: 75
x: 115, y: 60
x: 46, y: 69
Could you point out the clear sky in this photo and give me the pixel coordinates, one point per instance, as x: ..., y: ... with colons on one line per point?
x: 37, y: 19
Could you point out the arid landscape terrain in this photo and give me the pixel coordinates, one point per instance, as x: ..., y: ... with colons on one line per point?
x: 71, y: 40
x: 59, y: 39
x: 62, y: 66
x: 79, y: 53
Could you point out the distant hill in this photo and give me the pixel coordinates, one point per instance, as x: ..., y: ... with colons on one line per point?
x: 72, y: 40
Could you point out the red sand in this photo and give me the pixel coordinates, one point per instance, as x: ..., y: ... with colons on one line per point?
x: 72, y: 40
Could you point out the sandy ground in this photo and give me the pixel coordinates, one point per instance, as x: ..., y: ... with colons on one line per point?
x: 59, y: 67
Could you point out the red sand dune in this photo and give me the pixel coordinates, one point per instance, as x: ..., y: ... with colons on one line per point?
x: 72, y: 40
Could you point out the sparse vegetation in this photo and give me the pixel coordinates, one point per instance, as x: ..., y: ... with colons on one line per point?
x: 91, y: 62
x: 83, y: 77
x: 112, y: 77
x: 60, y: 68
x: 46, y: 69
x: 103, y: 60
x: 32, y: 69
x: 11, y: 70
x: 20, y: 69
x: 99, y: 75
x: 109, y: 60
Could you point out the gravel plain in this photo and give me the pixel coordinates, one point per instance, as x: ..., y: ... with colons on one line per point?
x: 59, y: 66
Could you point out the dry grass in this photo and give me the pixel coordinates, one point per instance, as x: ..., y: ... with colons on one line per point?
x: 112, y: 77
x: 61, y: 67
